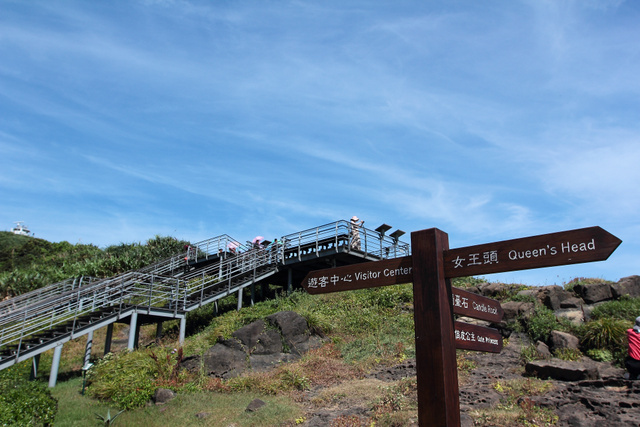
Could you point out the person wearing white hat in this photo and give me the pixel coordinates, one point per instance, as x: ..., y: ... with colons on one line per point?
x: 632, y: 363
x: 355, y: 233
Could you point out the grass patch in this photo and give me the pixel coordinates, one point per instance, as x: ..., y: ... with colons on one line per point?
x: 516, y: 407
x: 625, y: 309
x: 224, y: 409
x: 465, y: 365
x: 74, y: 409
x: 219, y: 410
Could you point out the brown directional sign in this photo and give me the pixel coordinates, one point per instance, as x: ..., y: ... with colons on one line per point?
x: 392, y: 272
x: 468, y: 304
x: 434, y: 298
x: 359, y: 276
x: 546, y: 250
x: 477, y: 338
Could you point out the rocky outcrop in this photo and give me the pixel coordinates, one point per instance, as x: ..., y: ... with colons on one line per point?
x: 516, y: 309
x: 281, y: 337
x: 594, y: 292
x: 163, y: 395
x: 560, y: 340
x: 561, y: 370
x: 627, y: 286
x: 255, y: 405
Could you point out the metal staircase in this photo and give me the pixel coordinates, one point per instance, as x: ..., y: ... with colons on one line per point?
x: 209, y: 270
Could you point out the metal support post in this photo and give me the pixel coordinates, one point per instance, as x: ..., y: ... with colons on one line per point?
x: 55, y: 365
x: 183, y: 329
x: 133, y: 328
x: 35, y: 364
x: 158, y: 331
x: 108, y: 339
x: 87, y: 349
x: 239, y: 299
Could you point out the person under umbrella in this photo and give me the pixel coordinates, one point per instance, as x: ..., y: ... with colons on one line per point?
x: 257, y: 242
x: 233, y: 246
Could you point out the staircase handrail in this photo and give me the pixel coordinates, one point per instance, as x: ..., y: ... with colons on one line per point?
x: 37, y: 295
x: 169, y: 285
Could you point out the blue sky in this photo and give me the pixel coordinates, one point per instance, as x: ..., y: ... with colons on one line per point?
x: 490, y: 120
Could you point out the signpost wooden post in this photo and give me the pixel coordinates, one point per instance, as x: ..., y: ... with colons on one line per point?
x: 430, y: 268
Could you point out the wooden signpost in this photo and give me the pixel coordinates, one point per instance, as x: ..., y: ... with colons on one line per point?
x: 430, y: 267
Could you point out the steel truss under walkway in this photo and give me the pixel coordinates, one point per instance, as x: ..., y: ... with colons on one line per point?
x: 45, y: 319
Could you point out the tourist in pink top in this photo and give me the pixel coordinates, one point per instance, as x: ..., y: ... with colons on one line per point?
x: 633, y: 359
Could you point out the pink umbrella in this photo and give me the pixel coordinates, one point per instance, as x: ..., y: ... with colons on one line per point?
x: 257, y: 239
x: 233, y: 245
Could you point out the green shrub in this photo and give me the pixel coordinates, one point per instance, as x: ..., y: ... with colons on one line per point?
x: 29, y: 263
x: 625, y: 308
x: 125, y: 378
x: 541, y: 323
x: 600, y: 355
x: 521, y: 298
x: 568, y: 354
x: 530, y: 353
x: 604, y: 333
x: 24, y: 402
x: 467, y: 282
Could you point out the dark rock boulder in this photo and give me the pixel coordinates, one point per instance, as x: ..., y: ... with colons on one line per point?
x: 514, y: 309
x: 259, y: 346
x: 268, y: 342
x: 191, y: 363
x: 163, y: 395
x: 560, y: 370
x: 227, y: 359
x: 295, y: 331
x: 255, y: 405
x: 560, y: 340
x: 556, y: 297
x: 627, y: 286
x: 497, y: 290
x: 571, y: 302
x: 543, y: 350
x: 550, y: 296
x: 248, y: 335
x: 592, y: 293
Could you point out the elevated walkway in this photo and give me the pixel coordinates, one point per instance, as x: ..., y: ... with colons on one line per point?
x: 209, y: 271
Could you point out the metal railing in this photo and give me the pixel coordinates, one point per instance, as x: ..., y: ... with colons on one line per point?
x: 174, y: 286
x: 44, y: 293
x: 215, y: 248
x: 341, y: 235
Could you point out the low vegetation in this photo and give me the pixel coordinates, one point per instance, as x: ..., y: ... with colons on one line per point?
x: 517, y: 408
x: 364, y: 329
x: 28, y: 263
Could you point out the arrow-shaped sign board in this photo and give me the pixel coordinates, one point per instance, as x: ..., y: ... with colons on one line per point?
x: 431, y: 311
x: 392, y: 272
x: 477, y: 338
x: 359, y: 276
x: 468, y: 304
x: 546, y: 250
